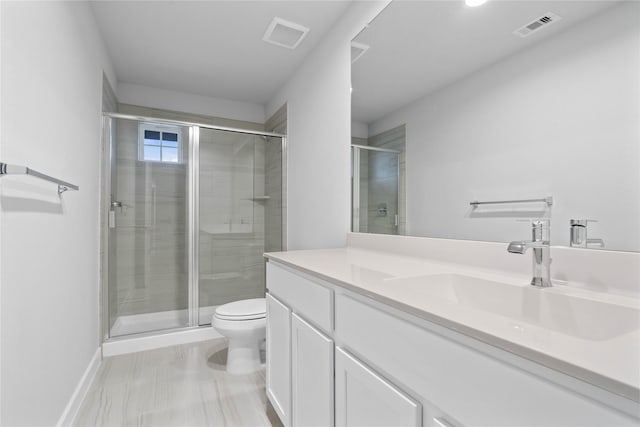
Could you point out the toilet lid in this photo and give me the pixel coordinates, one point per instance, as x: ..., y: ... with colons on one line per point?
x: 243, y: 310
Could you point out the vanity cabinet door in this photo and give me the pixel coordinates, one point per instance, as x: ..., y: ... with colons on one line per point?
x: 279, y: 358
x: 311, y: 374
x: 363, y: 398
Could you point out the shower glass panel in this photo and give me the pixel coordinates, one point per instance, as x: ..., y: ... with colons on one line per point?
x: 191, y: 210
x: 148, y: 227
x: 240, y: 199
x: 375, y: 190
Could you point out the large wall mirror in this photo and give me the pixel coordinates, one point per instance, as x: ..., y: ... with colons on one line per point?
x: 508, y: 101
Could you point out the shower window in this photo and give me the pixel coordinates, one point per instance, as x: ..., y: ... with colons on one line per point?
x: 159, y: 144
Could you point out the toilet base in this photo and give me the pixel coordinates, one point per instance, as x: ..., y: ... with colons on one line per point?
x: 243, y: 356
x: 245, y: 337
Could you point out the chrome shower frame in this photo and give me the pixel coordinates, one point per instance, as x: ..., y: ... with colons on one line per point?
x: 193, y: 207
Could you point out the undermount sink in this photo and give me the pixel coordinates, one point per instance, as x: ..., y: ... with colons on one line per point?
x: 571, y: 315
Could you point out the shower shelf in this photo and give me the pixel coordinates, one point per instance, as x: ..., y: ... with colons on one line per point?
x: 260, y: 198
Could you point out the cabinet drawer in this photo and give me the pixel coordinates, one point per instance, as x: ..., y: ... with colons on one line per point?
x: 311, y: 300
x: 474, y: 387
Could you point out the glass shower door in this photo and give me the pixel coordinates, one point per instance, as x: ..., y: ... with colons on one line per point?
x: 234, y: 208
x: 148, y: 227
x: 375, y: 190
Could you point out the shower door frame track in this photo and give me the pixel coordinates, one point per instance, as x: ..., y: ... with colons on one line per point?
x: 193, y: 213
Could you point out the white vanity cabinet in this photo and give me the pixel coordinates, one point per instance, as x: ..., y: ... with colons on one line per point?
x: 299, y: 349
x: 459, y: 380
x: 393, y: 368
x: 311, y: 375
x: 279, y: 357
x: 364, y: 398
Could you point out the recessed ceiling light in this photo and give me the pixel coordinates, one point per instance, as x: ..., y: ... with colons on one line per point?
x: 474, y: 3
x: 285, y: 33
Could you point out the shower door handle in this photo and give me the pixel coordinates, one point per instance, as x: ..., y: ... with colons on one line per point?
x: 112, y: 213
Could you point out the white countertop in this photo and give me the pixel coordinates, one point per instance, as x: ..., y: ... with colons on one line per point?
x: 608, y: 361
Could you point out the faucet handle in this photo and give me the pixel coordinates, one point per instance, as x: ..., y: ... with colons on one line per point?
x: 578, y: 234
x: 581, y: 222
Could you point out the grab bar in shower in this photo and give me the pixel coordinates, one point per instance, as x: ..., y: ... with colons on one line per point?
x: 6, y: 169
x: 547, y: 200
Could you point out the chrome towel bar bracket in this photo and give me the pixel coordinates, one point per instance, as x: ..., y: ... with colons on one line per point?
x: 6, y: 169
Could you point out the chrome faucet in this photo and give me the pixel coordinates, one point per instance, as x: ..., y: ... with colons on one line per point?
x: 541, y: 252
x: 578, y: 234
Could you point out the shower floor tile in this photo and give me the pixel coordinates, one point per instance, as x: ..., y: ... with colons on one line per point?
x: 185, y: 385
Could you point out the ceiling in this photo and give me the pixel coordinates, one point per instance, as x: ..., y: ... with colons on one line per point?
x: 210, y: 48
x: 417, y: 47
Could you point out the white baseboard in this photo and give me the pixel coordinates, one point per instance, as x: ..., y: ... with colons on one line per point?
x: 70, y: 412
x: 116, y: 346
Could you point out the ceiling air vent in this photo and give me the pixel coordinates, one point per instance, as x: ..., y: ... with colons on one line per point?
x: 542, y: 22
x: 284, y: 33
x: 357, y: 50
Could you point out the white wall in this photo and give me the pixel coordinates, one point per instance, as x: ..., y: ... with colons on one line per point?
x: 559, y: 119
x: 359, y: 130
x: 318, y: 130
x: 52, y: 64
x: 189, y: 103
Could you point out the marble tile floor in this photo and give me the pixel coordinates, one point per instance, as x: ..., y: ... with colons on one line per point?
x: 184, y: 385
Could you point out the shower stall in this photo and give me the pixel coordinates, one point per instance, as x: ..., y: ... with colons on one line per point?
x: 376, y: 196
x: 378, y: 183
x: 190, y: 209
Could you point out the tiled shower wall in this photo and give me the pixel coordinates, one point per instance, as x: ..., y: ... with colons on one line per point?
x: 273, y: 187
x: 276, y: 184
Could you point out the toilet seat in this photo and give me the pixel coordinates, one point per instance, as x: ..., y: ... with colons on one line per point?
x: 249, y: 309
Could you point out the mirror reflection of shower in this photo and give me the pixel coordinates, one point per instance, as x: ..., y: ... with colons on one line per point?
x: 378, y: 182
x: 196, y: 207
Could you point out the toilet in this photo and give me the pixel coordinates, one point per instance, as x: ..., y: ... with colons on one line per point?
x: 244, y: 323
